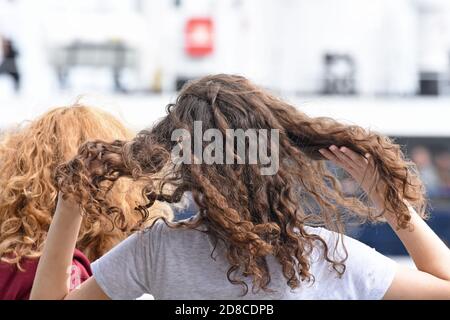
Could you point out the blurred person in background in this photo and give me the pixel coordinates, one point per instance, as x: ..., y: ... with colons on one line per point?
x: 254, y: 236
x: 442, y: 160
x: 28, y: 193
x: 422, y: 157
x: 8, y: 65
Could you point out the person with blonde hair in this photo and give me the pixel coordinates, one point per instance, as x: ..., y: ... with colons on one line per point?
x: 29, y: 154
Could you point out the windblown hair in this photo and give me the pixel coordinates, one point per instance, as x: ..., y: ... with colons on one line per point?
x: 253, y: 215
x: 28, y: 157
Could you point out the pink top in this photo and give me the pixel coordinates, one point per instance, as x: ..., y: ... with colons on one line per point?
x: 16, y: 284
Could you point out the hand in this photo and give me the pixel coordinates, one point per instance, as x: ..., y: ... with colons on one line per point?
x: 361, y: 168
x: 67, y: 205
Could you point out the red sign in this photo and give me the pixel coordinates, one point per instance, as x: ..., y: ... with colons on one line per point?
x: 199, y: 37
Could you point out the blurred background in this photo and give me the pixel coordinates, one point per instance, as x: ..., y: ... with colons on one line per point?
x: 381, y: 64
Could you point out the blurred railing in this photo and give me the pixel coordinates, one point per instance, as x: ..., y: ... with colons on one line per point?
x: 114, y: 55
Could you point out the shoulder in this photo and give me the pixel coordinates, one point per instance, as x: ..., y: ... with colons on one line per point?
x: 161, y: 233
x: 354, y: 251
x: 332, y: 237
x: 367, y: 274
x: 16, y: 284
x: 161, y: 228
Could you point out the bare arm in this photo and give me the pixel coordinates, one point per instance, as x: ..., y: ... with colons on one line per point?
x: 53, y: 272
x: 432, y: 259
x: 429, y: 253
x: 431, y: 256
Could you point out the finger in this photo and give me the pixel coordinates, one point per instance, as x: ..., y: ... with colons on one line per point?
x: 342, y: 157
x: 328, y: 155
x: 356, y: 158
x: 368, y: 157
x: 333, y: 158
x: 370, y: 172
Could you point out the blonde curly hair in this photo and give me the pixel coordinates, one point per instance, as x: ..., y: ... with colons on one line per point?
x: 29, y: 155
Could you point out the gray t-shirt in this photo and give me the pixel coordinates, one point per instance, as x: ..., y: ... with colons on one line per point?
x: 176, y: 264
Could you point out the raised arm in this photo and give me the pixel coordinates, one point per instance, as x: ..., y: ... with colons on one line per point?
x: 53, y: 273
x: 431, y: 256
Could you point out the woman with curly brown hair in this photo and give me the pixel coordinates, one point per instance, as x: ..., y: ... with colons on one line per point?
x: 257, y: 234
x: 28, y: 194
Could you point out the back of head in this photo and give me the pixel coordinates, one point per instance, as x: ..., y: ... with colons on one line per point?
x: 29, y: 155
x: 252, y: 211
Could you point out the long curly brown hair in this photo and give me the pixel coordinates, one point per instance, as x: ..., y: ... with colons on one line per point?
x: 29, y: 155
x: 253, y: 215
